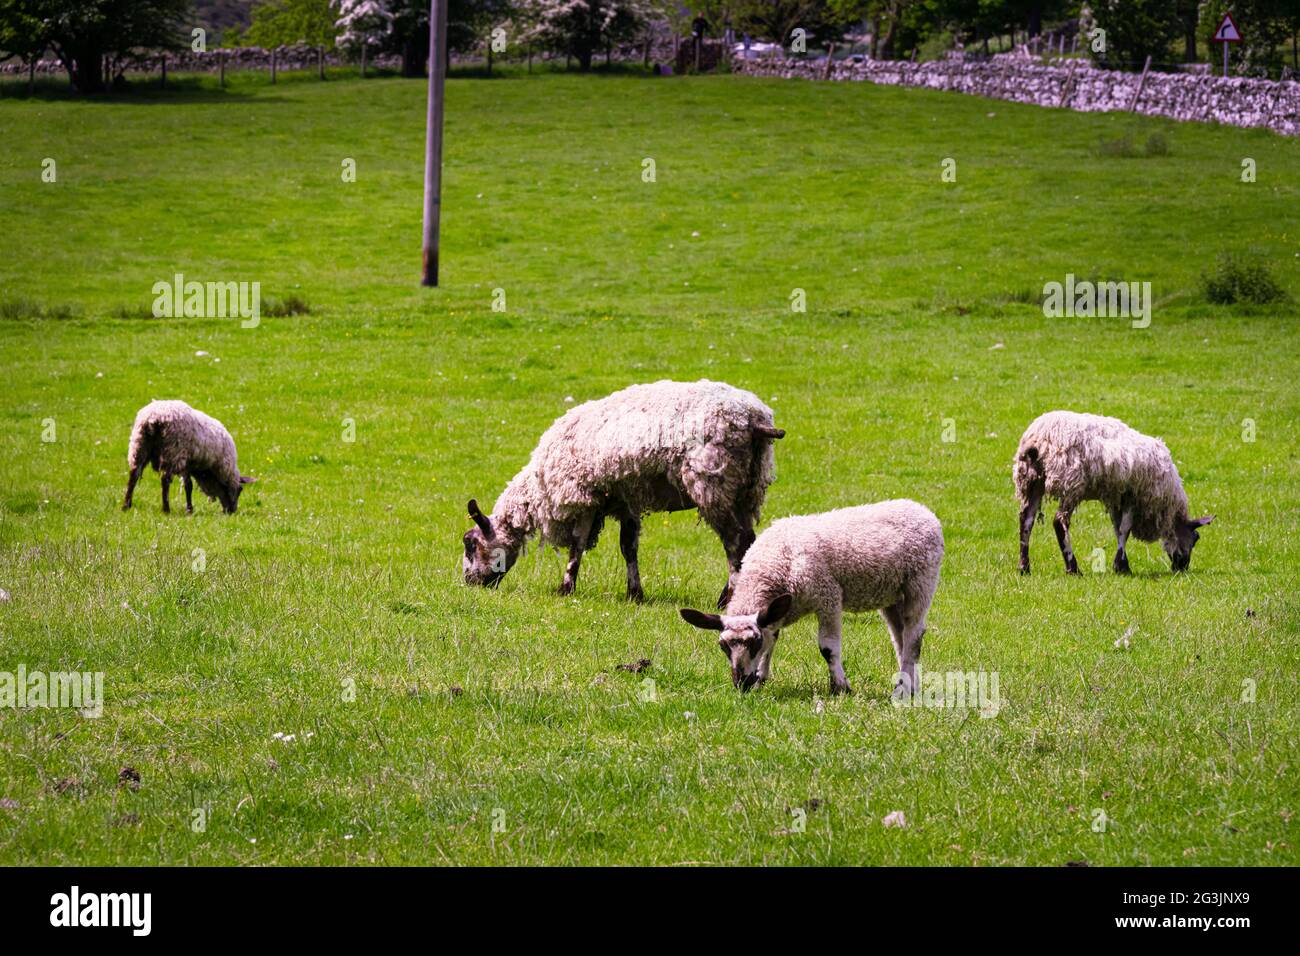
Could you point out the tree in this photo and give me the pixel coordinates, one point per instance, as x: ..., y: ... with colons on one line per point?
x: 582, y: 27
x: 778, y: 19
x: 22, y: 34
x: 286, y: 22
x: 468, y: 24
x: 89, y: 35
x: 1136, y: 29
x: 1189, y: 15
x: 362, y: 23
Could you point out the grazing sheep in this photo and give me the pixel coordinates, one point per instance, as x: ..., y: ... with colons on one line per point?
x: 882, y: 557
x: 669, y: 446
x: 179, y: 440
x: 1075, y: 458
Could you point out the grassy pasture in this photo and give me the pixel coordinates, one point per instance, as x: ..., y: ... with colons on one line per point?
x: 434, y: 724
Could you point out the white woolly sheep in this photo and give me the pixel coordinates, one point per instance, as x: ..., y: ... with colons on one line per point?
x: 667, y: 446
x: 1074, y: 457
x: 179, y: 440
x: 882, y: 557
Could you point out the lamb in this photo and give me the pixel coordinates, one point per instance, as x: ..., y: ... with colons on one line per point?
x: 179, y: 440
x: 884, y: 556
x: 666, y: 446
x: 1075, y: 458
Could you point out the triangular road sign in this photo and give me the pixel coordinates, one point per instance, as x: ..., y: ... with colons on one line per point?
x: 1227, y: 32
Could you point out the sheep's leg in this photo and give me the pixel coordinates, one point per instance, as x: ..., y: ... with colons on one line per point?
x: 764, y: 669
x: 828, y: 639
x: 907, y: 631
x: 189, y: 492
x: 166, y: 492
x: 1028, y: 515
x: 132, y: 477
x: 737, y: 534
x: 1123, y: 521
x: 629, y: 536
x: 578, y: 545
x: 1062, y: 525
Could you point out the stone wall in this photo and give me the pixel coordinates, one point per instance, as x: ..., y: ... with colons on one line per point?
x: 243, y: 58
x: 1236, y: 101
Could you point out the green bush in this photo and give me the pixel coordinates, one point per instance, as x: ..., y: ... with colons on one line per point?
x: 290, y: 305
x: 1157, y: 145
x: 1119, y: 147
x: 1124, y: 146
x: 1237, y: 279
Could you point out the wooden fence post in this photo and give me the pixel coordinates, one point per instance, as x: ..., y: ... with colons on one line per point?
x: 1277, y: 97
x: 163, y: 79
x: 221, y: 61
x: 364, y: 47
x: 1141, y: 83
x: 830, y: 61
x: 273, y: 53
x: 1066, y: 90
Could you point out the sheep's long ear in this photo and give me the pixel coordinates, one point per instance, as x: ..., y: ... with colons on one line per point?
x: 708, y: 622
x: 480, y: 519
x: 776, y: 611
x: 246, y: 479
x: 1200, y: 522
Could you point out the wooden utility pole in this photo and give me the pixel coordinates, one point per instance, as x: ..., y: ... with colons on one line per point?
x: 433, y: 139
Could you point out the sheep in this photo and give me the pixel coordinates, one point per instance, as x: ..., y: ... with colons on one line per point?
x: 666, y: 446
x: 179, y: 440
x: 1075, y: 457
x: 884, y: 556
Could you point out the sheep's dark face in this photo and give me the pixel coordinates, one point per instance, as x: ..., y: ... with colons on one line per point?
x: 747, y: 640
x: 230, y: 495
x: 1184, y: 539
x: 487, y: 557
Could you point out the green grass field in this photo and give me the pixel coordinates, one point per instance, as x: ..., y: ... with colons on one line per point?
x: 497, y: 727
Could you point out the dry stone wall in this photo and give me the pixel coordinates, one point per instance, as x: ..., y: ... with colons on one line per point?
x: 1235, y: 101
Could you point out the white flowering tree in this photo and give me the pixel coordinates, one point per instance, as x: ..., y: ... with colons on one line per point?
x: 362, y: 24
x: 582, y: 28
x: 402, y: 26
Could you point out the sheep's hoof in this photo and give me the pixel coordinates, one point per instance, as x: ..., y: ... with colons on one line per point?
x: 565, y: 589
x: 1072, y: 568
x: 1122, y: 568
x: 189, y: 511
x: 1024, y: 569
x: 637, y: 596
x: 840, y: 687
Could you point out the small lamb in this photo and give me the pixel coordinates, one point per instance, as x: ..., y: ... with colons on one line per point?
x: 179, y: 440
x: 1075, y: 458
x: 666, y: 446
x: 882, y: 557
